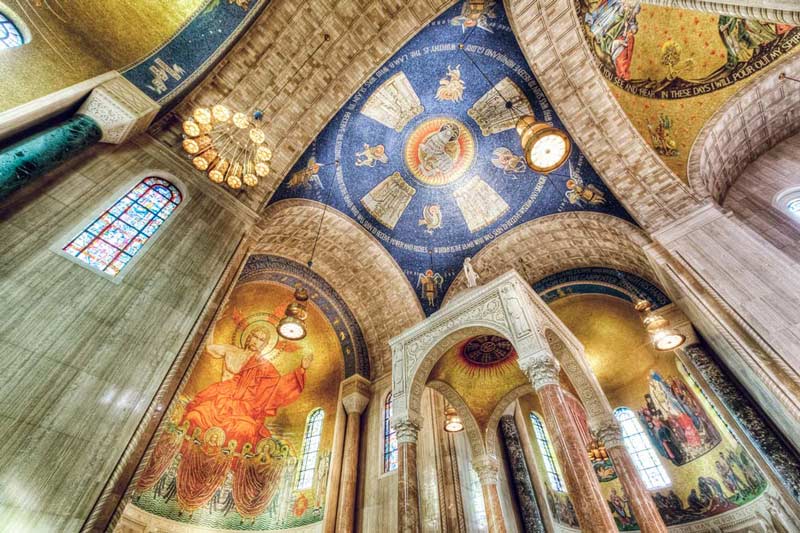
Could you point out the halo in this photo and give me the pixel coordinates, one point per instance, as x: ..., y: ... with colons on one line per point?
x: 263, y: 321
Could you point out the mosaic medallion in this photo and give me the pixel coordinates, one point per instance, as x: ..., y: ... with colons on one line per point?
x: 439, y: 151
x: 486, y: 350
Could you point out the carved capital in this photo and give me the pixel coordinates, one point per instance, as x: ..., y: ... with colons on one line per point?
x: 120, y: 109
x: 541, y: 369
x: 356, y: 391
x: 406, y: 431
x: 610, y: 434
x: 487, y: 468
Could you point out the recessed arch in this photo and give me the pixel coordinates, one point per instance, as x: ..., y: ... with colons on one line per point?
x: 471, y: 427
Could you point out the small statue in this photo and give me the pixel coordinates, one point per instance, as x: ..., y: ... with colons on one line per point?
x: 470, y: 274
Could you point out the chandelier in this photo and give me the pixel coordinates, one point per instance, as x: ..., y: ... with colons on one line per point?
x: 227, y: 145
x: 664, y: 337
x: 452, y: 422
x: 545, y: 147
x: 293, y: 325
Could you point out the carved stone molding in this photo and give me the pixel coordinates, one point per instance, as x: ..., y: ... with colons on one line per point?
x: 542, y: 369
x: 487, y: 468
x: 406, y: 431
x: 356, y: 392
x: 120, y: 109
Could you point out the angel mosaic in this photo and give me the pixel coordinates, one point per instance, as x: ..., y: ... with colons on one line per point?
x: 307, y: 177
x: 504, y: 159
x: 451, y: 87
x: 661, y: 136
x: 475, y: 13
x: 371, y: 155
x: 431, y: 283
x: 581, y: 194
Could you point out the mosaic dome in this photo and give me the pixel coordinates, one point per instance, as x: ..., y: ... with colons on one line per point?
x: 486, y: 350
x: 429, y: 159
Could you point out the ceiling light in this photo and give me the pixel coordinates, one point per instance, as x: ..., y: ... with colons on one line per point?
x: 452, y: 422
x: 545, y: 147
x: 663, y: 336
x: 293, y: 325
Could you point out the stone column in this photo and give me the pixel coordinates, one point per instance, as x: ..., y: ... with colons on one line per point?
x: 355, y: 397
x: 778, y: 11
x: 521, y: 477
x: 407, y: 485
x: 642, y: 504
x: 488, y: 473
x: 584, y: 489
x: 113, y: 112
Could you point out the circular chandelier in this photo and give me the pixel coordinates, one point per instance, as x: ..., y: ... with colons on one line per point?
x: 545, y: 147
x: 227, y: 145
x: 665, y: 338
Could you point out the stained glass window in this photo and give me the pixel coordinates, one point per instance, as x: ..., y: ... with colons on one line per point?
x: 10, y: 36
x: 641, y: 450
x: 111, y: 241
x: 549, y: 460
x: 794, y: 206
x: 308, y: 460
x: 389, y: 437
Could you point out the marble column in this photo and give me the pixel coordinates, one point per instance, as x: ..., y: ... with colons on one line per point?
x: 642, y: 504
x: 521, y: 477
x: 488, y: 471
x: 584, y: 489
x: 763, y: 10
x: 407, y: 484
x: 113, y: 112
x: 783, y: 459
x: 355, y: 397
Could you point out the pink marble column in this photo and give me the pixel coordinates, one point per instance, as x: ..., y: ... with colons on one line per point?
x: 591, y: 508
x: 642, y: 504
x: 407, y: 485
x: 355, y: 397
x: 488, y: 469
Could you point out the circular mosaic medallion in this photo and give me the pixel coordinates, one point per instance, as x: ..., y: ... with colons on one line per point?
x: 439, y: 151
x: 487, y: 350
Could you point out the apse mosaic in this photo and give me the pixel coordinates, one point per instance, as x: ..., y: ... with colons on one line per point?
x: 598, y: 280
x: 429, y: 160
x: 247, y: 446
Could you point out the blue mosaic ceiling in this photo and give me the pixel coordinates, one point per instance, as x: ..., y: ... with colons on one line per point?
x: 429, y: 160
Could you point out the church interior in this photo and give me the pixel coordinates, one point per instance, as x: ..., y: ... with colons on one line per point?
x: 434, y: 266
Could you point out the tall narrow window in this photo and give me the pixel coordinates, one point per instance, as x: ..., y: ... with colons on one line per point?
x: 641, y: 450
x: 308, y: 460
x: 111, y: 241
x: 389, y: 437
x: 544, y: 447
x: 10, y: 36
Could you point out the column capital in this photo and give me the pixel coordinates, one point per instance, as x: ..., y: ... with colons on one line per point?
x: 609, y: 433
x: 120, y: 109
x: 356, y: 392
x: 541, y: 369
x: 487, y: 468
x: 406, y: 431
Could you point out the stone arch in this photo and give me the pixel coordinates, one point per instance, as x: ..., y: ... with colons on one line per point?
x: 353, y: 262
x: 471, y: 428
x: 743, y: 129
x: 563, y: 241
x: 497, y: 412
x: 507, y: 307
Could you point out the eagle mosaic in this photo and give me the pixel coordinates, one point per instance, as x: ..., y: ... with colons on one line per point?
x: 429, y: 159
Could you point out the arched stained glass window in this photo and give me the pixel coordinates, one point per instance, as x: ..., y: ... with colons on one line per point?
x: 111, y: 241
x: 389, y: 437
x: 549, y: 460
x: 10, y: 36
x: 641, y: 450
x: 308, y: 460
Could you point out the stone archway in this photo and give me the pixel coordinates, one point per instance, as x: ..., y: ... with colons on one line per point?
x: 507, y: 307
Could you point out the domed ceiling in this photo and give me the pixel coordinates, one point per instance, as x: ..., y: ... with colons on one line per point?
x: 428, y: 158
x: 672, y: 69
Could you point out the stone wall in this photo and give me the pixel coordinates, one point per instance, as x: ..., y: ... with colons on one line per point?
x: 752, y: 194
x: 84, y: 356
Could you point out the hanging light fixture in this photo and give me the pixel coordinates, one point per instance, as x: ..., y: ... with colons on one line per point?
x: 452, y: 422
x: 227, y: 144
x: 545, y: 147
x: 665, y: 338
x: 293, y: 325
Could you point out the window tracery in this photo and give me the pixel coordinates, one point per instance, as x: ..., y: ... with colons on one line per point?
x: 550, y: 464
x: 311, y: 440
x: 641, y: 450
x: 10, y: 35
x: 389, y: 437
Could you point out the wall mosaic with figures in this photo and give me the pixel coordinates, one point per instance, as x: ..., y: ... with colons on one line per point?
x: 247, y: 445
